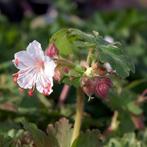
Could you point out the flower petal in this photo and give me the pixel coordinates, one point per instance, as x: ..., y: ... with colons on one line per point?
x: 44, y: 85
x: 27, y: 78
x: 35, y: 50
x: 49, y: 67
x: 23, y: 60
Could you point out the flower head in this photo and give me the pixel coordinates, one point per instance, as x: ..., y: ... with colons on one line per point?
x: 35, y: 69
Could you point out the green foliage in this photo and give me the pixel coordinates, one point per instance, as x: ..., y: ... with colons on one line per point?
x: 39, y: 137
x: 69, y: 41
x: 75, y: 76
x: 132, y: 107
x: 5, y: 141
x: 117, y: 57
x: 128, y: 140
x: 72, y: 41
x: 62, y: 131
x: 128, y: 26
x: 88, y: 139
x: 62, y: 42
x: 59, y: 135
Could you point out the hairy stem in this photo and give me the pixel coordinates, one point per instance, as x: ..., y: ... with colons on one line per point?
x: 79, y: 114
x: 89, y: 56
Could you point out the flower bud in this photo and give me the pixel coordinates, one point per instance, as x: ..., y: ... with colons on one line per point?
x: 59, y: 73
x: 102, y: 87
x: 101, y: 71
x: 88, y: 86
x: 51, y: 51
x: 98, y: 69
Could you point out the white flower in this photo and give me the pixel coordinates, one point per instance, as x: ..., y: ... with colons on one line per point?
x: 109, y: 39
x: 35, y: 69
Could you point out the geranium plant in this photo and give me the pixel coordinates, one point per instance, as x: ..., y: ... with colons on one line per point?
x: 95, y: 67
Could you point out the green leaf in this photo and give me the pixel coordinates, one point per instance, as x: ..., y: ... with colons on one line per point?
x: 126, y: 124
x: 39, y: 137
x: 68, y: 41
x: 62, y: 42
x: 127, y: 140
x: 113, y: 143
x: 117, y: 57
x: 88, y: 139
x: 81, y: 39
x: 135, y: 109
x: 62, y: 131
x: 121, y: 101
x: 74, y: 76
x: 71, y: 41
x: 5, y: 141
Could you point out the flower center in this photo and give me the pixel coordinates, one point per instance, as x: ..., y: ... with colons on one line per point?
x: 40, y: 65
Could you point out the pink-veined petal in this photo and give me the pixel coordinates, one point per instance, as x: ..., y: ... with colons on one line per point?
x: 34, y: 49
x: 44, y: 85
x: 49, y: 67
x: 23, y: 60
x: 27, y: 78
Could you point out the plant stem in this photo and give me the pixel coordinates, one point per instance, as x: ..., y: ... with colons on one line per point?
x: 114, y: 122
x: 89, y: 56
x: 79, y: 114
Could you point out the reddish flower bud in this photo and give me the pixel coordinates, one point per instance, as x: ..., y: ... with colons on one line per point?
x: 102, y: 87
x: 101, y: 71
x: 51, y: 51
x: 88, y: 86
x: 59, y: 72
x: 98, y: 69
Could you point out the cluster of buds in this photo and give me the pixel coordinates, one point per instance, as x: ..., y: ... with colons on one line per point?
x: 99, y: 86
x: 96, y: 82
